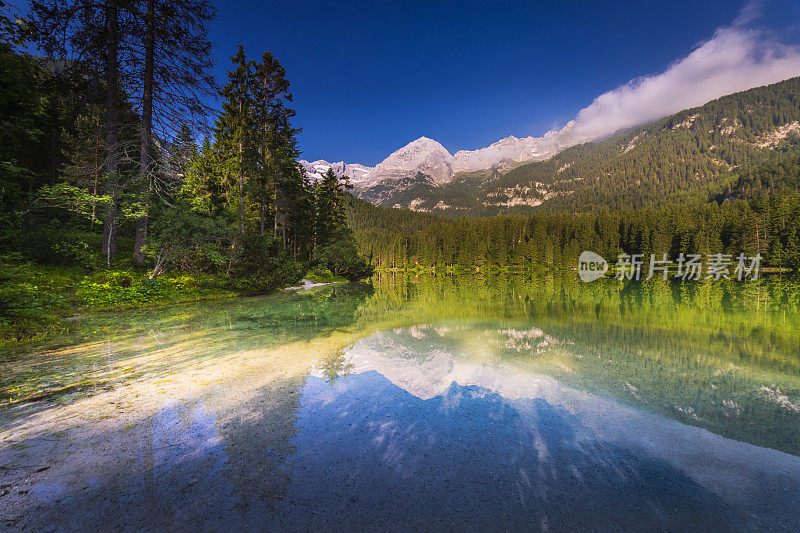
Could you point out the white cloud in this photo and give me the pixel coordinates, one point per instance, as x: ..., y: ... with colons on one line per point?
x: 734, y: 59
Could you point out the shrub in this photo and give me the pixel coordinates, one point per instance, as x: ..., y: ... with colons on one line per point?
x: 340, y: 256
x: 54, y: 245
x: 320, y: 274
x: 26, y: 303
x: 260, y: 264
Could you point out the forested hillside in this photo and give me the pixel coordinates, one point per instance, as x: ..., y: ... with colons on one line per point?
x: 698, y: 154
x: 765, y: 224
x: 723, y: 178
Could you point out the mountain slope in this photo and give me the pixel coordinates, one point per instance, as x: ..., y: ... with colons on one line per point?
x: 424, y: 156
x: 428, y: 157
x: 696, y: 154
x: 359, y: 174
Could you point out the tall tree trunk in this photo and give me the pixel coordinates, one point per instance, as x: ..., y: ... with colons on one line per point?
x: 140, y: 238
x: 241, y: 176
x: 266, y: 161
x: 262, y: 213
x: 241, y: 190
x: 275, y: 209
x: 112, y: 167
x: 96, y: 173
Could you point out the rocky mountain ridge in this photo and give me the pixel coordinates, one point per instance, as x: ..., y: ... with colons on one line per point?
x: 702, y: 152
x: 427, y: 156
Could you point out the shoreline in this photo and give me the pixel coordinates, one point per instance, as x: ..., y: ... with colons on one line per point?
x: 308, y: 284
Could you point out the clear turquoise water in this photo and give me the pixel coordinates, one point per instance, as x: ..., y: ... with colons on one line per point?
x: 501, y: 402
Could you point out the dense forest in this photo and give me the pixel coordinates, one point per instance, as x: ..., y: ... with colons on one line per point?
x: 112, y: 190
x: 767, y: 224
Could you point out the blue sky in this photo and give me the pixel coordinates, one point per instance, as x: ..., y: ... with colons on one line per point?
x: 369, y: 77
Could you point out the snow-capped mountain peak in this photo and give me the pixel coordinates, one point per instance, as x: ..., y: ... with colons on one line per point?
x: 422, y: 155
x: 359, y: 174
x: 514, y: 150
x: 427, y: 156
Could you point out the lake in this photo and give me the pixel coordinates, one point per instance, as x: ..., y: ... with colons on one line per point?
x: 437, y: 402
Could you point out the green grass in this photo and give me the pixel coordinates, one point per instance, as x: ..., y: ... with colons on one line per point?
x: 104, y: 291
x: 35, y: 299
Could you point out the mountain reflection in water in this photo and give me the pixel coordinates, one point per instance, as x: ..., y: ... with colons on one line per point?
x: 455, y: 402
x: 414, y: 435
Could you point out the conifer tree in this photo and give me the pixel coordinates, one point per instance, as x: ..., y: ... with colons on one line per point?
x: 97, y: 33
x: 330, y: 206
x: 175, y: 59
x: 278, y: 145
x: 234, y: 128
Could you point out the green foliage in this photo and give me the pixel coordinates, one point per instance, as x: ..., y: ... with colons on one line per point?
x: 74, y: 249
x: 128, y: 288
x: 57, y: 243
x: 115, y: 289
x: 781, y: 174
x: 407, y: 240
x: 330, y: 208
x: 340, y: 256
x: 30, y: 296
x: 320, y: 274
x: 21, y: 123
x: 181, y: 237
x: 73, y: 199
x: 34, y: 297
x: 205, y: 185
x: 261, y: 264
x: 183, y: 152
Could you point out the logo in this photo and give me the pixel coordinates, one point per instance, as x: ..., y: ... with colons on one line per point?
x: 591, y: 266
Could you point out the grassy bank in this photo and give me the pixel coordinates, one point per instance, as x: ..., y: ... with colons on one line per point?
x: 34, y: 299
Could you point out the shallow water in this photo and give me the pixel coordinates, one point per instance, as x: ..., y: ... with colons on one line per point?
x: 449, y: 402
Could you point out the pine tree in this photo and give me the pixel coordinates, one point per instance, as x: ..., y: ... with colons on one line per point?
x: 277, y: 141
x: 235, y: 127
x: 330, y: 206
x: 204, y: 184
x: 183, y: 151
x: 176, y: 59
